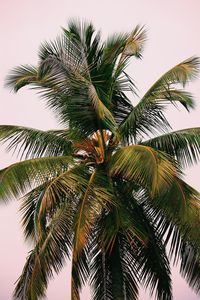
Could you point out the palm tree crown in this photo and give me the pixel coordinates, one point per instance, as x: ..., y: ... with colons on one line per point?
x: 102, y: 190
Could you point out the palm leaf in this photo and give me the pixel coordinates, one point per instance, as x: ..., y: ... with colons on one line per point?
x: 186, y: 201
x: 49, y: 254
x: 44, y: 199
x: 146, y: 255
x: 29, y: 208
x: 83, y: 221
x: 72, y: 70
x: 176, y: 214
x: 180, y: 205
x: 155, y: 174
x: 93, y: 199
x: 82, y: 35
x: 147, y: 116
x: 116, y: 53
x: 37, y: 204
x: 112, y: 271
x: 79, y: 274
x: 18, y: 177
x: 22, y: 76
x: 183, y: 145
x: 121, y: 106
x: 100, y: 280
x: 190, y: 265
x: 116, y: 271
x: 135, y: 42
x: 67, y: 80
x: 33, y: 142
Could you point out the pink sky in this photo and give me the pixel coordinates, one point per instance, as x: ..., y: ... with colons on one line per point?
x: 173, y: 35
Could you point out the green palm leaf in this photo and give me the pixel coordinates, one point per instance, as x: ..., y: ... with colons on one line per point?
x: 49, y: 254
x: 147, y: 116
x: 79, y: 274
x: 35, y: 143
x: 186, y: 201
x: 113, y: 274
x: 22, y: 76
x: 183, y: 145
x: 146, y: 255
x: 30, y: 207
x: 93, y: 199
x: 19, y: 177
x: 176, y: 213
x: 84, y: 220
x: 156, y: 173
x: 190, y: 265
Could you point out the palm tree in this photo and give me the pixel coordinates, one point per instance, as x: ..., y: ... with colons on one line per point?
x: 103, y: 190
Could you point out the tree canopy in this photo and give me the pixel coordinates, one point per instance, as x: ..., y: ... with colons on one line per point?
x: 107, y: 189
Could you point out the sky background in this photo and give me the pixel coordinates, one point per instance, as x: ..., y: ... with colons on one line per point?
x: 173, y: 35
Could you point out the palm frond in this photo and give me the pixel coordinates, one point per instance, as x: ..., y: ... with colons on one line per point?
x: 113, y: 273
x: 34, y: 142
x: 44, y: 199
x: 121, y: 106
x: 142, y: 121
x: 176, y: 214
x: 155, y: 174
x: 82, y: 34
x: 93, y: 199
x: 135, y: 43
x: 103, y: 112
x: 22, y: 76
x: 117, y: 275
x: 18, y: 177
x: 80, y: 273
x: 181, y: 203
x: 190, y: 265
x: 147, y: 116
x: 77, y: 94
x: 100, y: 280
x: 146, y: 255
x: 182, y: 73
x: 154, y: 268
x: 83, y: 221
x: 116, y: 53
x: 73, y: 66
x: 124, y: 44
x: 30, y: 208
x: 49, y: 254
x: 183, y: 145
